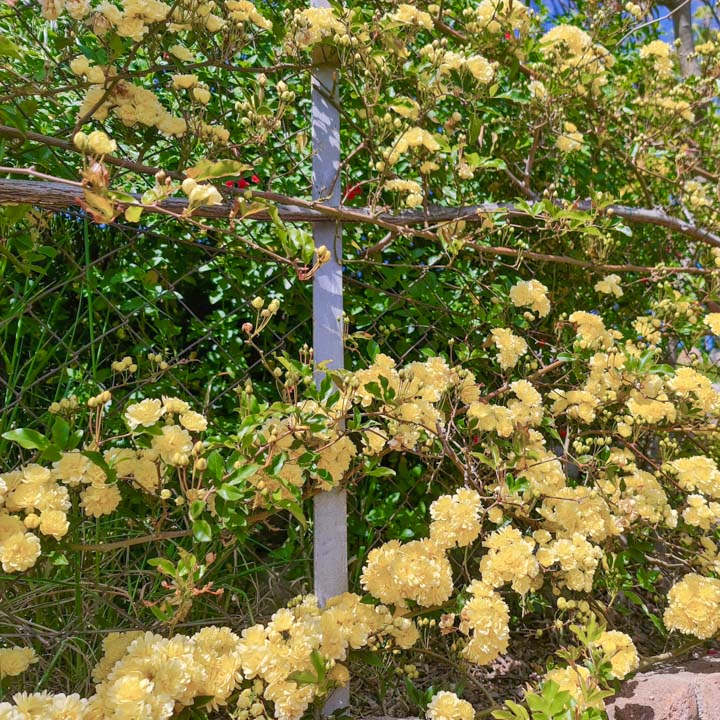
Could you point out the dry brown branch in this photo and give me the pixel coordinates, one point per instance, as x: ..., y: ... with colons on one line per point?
x: 61, y: 195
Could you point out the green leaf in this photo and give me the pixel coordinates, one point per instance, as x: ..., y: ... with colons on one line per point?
x: 210, y: 169
x: 229, y: 492
x: 368, y: 657
x: 302, y: 677
x: 163, y: 565
x: 8, y: 48
x: 202, y: 531
x: 133, y: 213
x: 295, y: 510
x: 60, y: 432
x: 27, y: 438
x: 319, y: 664
x: 197, y: 507
x: 372, y: 350
x: 517, y: 710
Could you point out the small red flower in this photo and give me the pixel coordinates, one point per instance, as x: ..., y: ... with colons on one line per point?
x: 243, y: 183
x: 255, y: 179
x: 352, y: 191
x: 508, y: 36
x: 230, y: 183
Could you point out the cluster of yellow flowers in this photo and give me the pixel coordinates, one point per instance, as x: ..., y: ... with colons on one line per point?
x: 697, y: 195
x: 696, y: 473
x: 413, y: 189
x: 313, y: 25
x: 532, y: 294
x: 485, y: 619
x: 132, y: 105
x: 409, y: 405
x: 661, y: 54
x: 694, y: 606
x: 523, y: 412
x: 495, y: 17
x: 37, y: 498
x: 292, y: 438
x: 620, y: 650
x: 420, y: 570
x: 146, y: 675
x: 43, y: 502
x: 135, y: 18
x: 577, y: 558
x: 510, y: 559
x: 412, y: 138
x: 576, y: 52
x: 570, y: 139
x: 243, y: 11
x: 410, y: 15
x: 448, y: 60
x: 670, y: 107
x: 511, y: 347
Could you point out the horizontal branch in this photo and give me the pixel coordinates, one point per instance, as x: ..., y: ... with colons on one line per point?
x: 306, y: 211
x: 59, y: 196
x: 11, y: 132
x: 522, y: 254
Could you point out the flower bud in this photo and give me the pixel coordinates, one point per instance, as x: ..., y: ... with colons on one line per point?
x: 80, y: 140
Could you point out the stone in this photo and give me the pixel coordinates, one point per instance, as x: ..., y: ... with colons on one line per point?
x: 682, y: 691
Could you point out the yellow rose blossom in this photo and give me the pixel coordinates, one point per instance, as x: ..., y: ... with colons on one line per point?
x: 242, y: 11
x: 193, y: 421
x: 579, y: 510
x: 54, y: 523
x: 577, y: 404
x: 511, y: 347
x: 15, y: 660
x: 609, y: 285
x: 412, y: 138
x: 485, y: 618
x: 418, y: 571
x: 174, y: 405
x: 620, y: 650
x: 592, y: 332
x: 661, y: 54
x: 532, y: 294
x: 100, y: 500
x: 174, y: 444
x: 510, y: 560
x: 696, y: 473
x: 694, y: 606
x: 570, y: 139
x: 700, y: 513
x: 19, y: 552
x: 410, y: 15
x: 492, y: 418
x: 578, y: 560
x: 448, y: 706
x: 712, y: 320
x: 145, y: 413
x: 312, y: 25
x: 455, y: 518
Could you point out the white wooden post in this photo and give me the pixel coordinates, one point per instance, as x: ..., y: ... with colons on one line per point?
x: 330, y: 566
